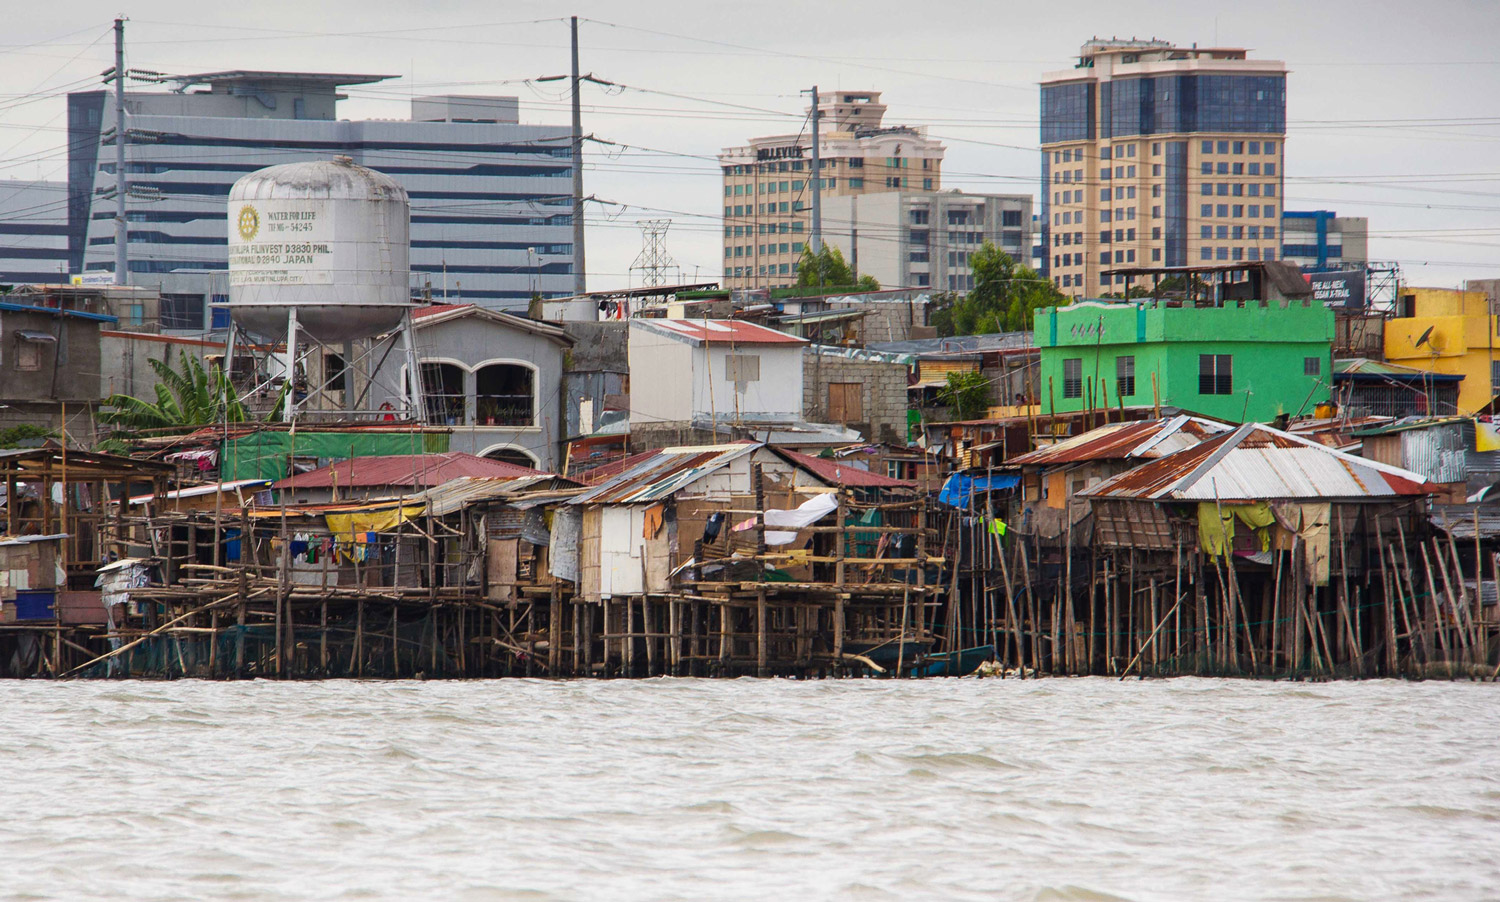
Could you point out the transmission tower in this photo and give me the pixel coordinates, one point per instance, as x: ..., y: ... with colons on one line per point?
x: 653, y: 261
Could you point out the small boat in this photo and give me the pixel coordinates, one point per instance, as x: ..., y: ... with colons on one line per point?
x: 959, y: 663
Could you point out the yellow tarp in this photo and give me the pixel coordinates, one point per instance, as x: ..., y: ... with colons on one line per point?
x: 1215, y: 534
x: 1486, y: 437
x: 347, y: 527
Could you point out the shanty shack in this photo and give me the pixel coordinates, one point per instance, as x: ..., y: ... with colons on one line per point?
x: 629, y: 533
x: 1277, y: 486
x: 1260, y: 551
x: 1053, y: 476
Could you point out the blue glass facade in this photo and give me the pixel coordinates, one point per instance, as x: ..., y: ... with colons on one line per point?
x: 1175, y: 205
x: 1045, y: 235
x: 1162, y: 105
x: 1067, y: 112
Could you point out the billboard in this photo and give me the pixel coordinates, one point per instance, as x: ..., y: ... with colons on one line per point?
x: 1339, y: 288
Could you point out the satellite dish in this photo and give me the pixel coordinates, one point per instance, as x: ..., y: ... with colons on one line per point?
x: 1425, y: 335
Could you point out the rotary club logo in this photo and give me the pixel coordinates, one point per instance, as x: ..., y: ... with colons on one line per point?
x: 249, y: 223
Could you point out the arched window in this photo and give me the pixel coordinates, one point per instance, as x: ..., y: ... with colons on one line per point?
x: 443, y: 383
x: 505, y: 395
x: 512, y: 456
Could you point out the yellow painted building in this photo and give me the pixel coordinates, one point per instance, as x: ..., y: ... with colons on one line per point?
x: 1447, y: 330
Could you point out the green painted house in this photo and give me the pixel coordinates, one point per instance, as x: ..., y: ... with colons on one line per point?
x: 1243, y: 361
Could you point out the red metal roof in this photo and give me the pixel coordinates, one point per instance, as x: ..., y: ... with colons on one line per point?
x: 413, y: 470
x: 720, y: 331
x: 436, y: 308
x: 835, y: 472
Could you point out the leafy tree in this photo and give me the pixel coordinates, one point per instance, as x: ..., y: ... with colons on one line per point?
x: 16, y: 435
x: 966, y: 394
x: 186, y: 398
x: 1131, y: 293
x: 1004, y: 299
x: 828, y: 269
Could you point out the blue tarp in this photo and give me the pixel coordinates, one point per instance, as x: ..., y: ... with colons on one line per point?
x: 960, y: 486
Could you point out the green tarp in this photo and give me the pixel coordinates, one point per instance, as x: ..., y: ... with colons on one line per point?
x: 264, y: 455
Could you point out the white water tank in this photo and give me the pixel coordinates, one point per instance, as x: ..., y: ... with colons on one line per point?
x: 328, y: 238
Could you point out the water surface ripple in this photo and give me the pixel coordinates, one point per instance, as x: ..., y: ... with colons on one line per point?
x: 1083, y: 789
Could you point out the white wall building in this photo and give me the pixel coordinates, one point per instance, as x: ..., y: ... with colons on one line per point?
x: 712, y: 371
x: 33, y: 232
x: 910, y: 239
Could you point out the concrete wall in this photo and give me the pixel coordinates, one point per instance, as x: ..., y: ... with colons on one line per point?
x: 596, y: 372
x: 472, y: 342
x: 661, y: 378
x: 883, y: 392
x: 67, y: 370
x: 124, y: 357
x: 776, y: 395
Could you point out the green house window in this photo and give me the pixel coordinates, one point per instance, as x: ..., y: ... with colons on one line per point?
x: 1072, y: 377
x: 1125, y: 376
x: 1215, y: 374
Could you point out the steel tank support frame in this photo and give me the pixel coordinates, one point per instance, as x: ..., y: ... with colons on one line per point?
x: 299, y: 351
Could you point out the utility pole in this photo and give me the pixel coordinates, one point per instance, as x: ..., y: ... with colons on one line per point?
x: 576, y: 80
x: 578, y: 264
x: 122, y: 266
x: 817, y: 180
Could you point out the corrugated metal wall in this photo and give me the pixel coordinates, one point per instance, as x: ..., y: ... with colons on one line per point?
x: 1436, y: 453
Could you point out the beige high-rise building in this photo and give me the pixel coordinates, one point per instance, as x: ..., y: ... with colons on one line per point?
x: 1157, y: 155
x: 768, y: 182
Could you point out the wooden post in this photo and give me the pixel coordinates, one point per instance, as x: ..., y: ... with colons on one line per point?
x: 555, y: 632
x: 396, y: 638
x: 648, y: 632
x: 726, y: 641
x: 1434, y: 607
x: 1390, y: 618
x: 604, y: 606
x: 1010, y: 612
x: 840, y: 542
x: 284, y: 577
x: 762, y: 666
x: 359, y: 638
x: 838, y: 627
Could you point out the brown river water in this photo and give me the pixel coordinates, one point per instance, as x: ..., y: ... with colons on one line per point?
x: 1059, y: 789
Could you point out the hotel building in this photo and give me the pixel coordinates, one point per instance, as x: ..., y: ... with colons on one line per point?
x: 1158, y: 155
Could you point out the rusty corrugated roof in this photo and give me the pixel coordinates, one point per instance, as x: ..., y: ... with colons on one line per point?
x: 1255, y: 463
x: 415, y: 470
x: 661, y: 473
x: 838, y: 473
x: 1125, y: 441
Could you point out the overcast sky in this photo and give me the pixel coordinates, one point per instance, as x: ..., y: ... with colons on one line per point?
x: 1393, y: 107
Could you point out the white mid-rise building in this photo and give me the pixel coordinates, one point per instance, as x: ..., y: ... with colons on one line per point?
x: 911, y: 239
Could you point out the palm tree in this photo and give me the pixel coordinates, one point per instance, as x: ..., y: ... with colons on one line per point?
x: 185, y: 399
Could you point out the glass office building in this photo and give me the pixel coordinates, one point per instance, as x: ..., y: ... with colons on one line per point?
x: 1155, y: 155
x: 491, y: 197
